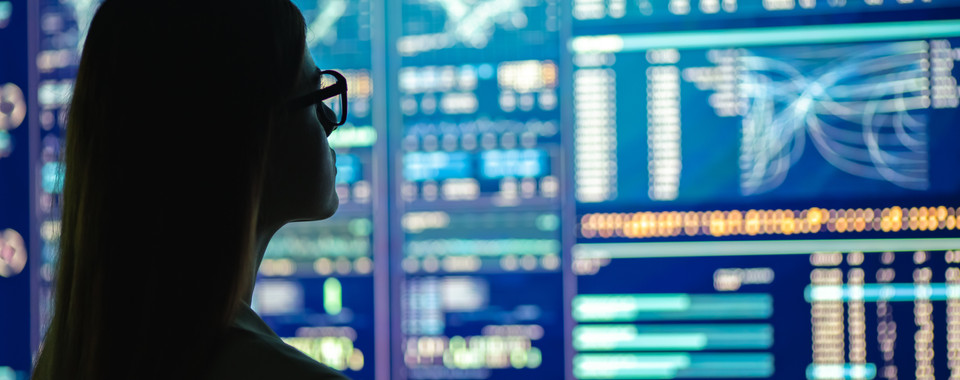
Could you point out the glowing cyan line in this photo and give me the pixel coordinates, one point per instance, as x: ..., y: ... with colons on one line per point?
x: 791, y: 35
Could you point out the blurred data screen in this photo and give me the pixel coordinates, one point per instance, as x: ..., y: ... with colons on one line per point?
x: 15, y: 225
x: 477, y: 173
x: 586, y: 189
x: 57, y: 30
x: 765, y: 190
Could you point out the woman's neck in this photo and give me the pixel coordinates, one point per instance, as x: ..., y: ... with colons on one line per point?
x: 263, y: 235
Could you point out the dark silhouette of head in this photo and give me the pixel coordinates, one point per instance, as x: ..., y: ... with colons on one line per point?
x: 181, y: 153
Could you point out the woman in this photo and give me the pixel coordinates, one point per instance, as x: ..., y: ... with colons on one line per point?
x: 194, y: 133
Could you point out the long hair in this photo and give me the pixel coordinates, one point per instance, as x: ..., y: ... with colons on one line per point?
x: 167, y: 135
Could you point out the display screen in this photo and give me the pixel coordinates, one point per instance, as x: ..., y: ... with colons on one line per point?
x: 58, y: 29
x: 477, y: 171
x: 590, y: 189
x: 765, y: 192
x: 16, y: 226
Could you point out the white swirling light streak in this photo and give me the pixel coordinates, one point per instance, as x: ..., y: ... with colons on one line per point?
x: 858, y: 104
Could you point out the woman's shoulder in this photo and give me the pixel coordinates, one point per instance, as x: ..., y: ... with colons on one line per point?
x: 248, y: 355
x: 251, y: 350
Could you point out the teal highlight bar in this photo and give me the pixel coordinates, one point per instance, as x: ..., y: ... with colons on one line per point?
x: 672, y: 337
x: 672, y: 366
x: 7, y: 373
x: 51, y: 177
x: 349, y: 136
x: 792, y: 35
x: 332, y: 296
x: 6, y: 8
x: 841, y: 371
x: 670, y: 307
x: 882, y: 292
x: 482, y: 247
x: 757, y: 247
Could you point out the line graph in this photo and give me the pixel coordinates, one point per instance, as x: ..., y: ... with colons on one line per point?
x: 322, y: 27
x: 468, y: 23
x: 859, y: 105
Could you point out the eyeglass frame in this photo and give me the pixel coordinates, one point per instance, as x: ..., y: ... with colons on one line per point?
x: 318, y: 96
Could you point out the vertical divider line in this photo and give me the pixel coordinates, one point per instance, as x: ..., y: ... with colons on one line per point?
x: 381, y: 206
x: 391, y: 23
x: 568, y: 212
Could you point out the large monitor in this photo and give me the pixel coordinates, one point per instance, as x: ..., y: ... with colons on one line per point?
x: 765, y: 190
x: 55, y: 35
x: 589, y: 189
x: 15, y: 224
x: 476, y: 232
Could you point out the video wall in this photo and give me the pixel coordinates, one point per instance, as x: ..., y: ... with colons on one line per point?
x: 583, y: 189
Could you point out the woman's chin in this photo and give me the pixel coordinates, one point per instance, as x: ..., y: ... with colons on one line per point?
x: 319, y: 212
x: 330, y: 208
x: 314, y: 209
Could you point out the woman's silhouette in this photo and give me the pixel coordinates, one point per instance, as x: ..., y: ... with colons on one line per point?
x: 195, y: 131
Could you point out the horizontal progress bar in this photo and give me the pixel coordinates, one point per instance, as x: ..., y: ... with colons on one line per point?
x: 350, y: 137
x: 793, y: 35
x: 482, y: 247
x: 842, y: 371
x: 882, y: 292
x: 672, y: 366
x: 670, y: 307
x: 672, y: 337
x: 757, y: 247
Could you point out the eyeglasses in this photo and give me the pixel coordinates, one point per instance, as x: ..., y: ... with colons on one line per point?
x: 330, y: 98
